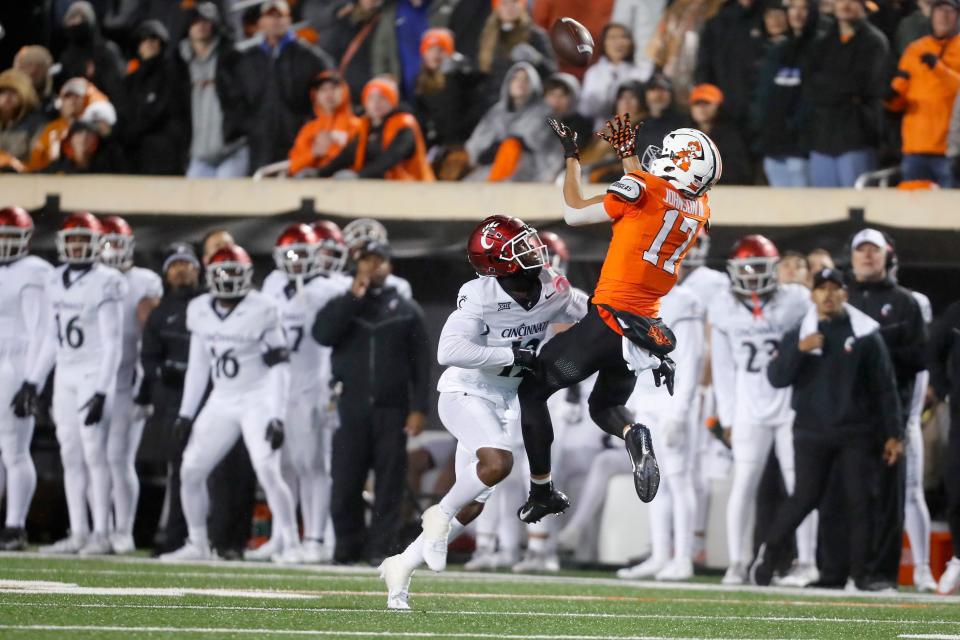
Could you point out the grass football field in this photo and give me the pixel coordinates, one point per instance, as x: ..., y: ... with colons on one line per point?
x: 129, y: 598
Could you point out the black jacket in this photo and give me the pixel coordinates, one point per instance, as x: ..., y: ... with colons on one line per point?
x: 381, y: 351
x: 737, y: 165
x: 901, y: 325
x: 99, y: 61
x: 165, y: 350
x: 848, y: 391
x: 275, y: 90
x: 152, y: 122
x: 778, y: 112
x: 944, y: 360
x: 844, y: 85
x: 730, y: 49
x: 653, y: 129
x: 449, y: 115
x: 347, y: 30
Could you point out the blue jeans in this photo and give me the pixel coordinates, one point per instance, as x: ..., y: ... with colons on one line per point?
x: 842, y: 170
x: 787, y: 171
x: 235, y: 165
x: 922, y: 166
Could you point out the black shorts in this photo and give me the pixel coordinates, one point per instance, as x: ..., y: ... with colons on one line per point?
x: 574, y: 355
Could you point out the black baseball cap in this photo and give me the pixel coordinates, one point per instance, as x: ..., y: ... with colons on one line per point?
x: 381, y: 249
x: 826, y: 275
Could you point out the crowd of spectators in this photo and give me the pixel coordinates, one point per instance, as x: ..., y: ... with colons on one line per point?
x: 794, y: 92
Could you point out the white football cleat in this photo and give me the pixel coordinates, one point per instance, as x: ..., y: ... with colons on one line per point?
x: 68, y: 546
x: 800, y: 576
x: 950, y: 578
x: 122, y: 543
x: 314, y: 552
x: 436, y: 530
x: 923, y: 579
x: 646, y: 569
x: 291, y: 554
x: 482, y: 560
x: 98, y: 544
x: 676, y: 570
x: 188, y: 551
x: 537, y: 562
x: 394, y: 572
x: 264, y: 552
x: 736, y: 575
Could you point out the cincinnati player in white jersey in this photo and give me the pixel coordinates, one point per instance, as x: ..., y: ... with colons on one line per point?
x: 23, y: 316
x: 486, y: 344
x: 673, y: 420
x: 237, y: 342
x: 84, y: 341
x: 308, y: 275
x: 358, y: 233
x: 127, y: 419
x: 747, y: 322
x: 916, y: 512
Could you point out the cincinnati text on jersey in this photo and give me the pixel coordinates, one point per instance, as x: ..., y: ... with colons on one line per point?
x: 524, y: 330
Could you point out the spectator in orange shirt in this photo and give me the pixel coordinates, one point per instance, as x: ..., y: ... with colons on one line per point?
x: 925, y: 88
x: 389, y: 143
x: 322, y: 139
x: 75, y: 96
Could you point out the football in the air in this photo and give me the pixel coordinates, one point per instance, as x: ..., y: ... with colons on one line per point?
x: 572, y: 42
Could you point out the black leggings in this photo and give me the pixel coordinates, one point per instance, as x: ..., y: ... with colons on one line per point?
x: 571, y: 357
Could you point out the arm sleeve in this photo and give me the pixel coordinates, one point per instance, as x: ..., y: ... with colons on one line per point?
x: 198, y: 374
x: 576, y: 308
x: 419, y: 342
x: 34, y: 309
x: 110, y: 323
x: 723, y: 369
x: 301, y: 153
x: 333, y: 321
x: 783, y: 369
x: 591, y: 214
x: 47, y: 353
x: 151, y: 351
x: 689, y: 335
x: 460, y: 342
x: 883, y: 387
x: 278, y: 376
x: 402, y: 145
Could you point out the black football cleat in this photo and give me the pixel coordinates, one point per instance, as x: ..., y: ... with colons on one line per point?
x: 646, y: 472
x: 761, y: 571
x: 539, y: 506
x: 13, y: 539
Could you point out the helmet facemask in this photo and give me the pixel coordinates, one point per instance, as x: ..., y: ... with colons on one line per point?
x: 749, y: 276
x: 78, y: 245
x: 229, y: 279
x: 526, y: 250
x: 116, y: 250
x: 14, y: 243
x: 298, y: 260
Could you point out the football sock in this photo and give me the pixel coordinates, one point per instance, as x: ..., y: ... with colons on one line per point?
x: 412, y: 556
x: 122, y: 447
x: 279, y: 500
x: 917, y: 525
x: 464, y: 491
x: 98, y: 472
x: 21, y: 477
x: 198, y: 536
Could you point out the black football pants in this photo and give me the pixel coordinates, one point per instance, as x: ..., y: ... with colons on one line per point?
x: 570, y: 357
x: 952, y: 475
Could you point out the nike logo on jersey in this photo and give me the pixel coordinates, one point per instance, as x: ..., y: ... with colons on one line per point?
x: 550, y: 296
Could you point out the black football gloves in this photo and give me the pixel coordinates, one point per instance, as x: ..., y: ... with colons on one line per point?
x: 524, y: 357
x: 275, y: 433
x: 94, y: 407
x: 182, y: 427
x: 25, y: 400
x: 568, y: 138
x: 664, y: 374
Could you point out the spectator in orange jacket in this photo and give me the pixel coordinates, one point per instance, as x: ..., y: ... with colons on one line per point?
x: 321, y: 140
x: 389, y: 143
x: 75, y: 96
x: 924, y: 88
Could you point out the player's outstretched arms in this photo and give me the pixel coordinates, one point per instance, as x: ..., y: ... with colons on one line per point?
x: 576, y: 209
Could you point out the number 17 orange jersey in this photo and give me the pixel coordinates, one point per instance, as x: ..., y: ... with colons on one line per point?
x: 654, y: 226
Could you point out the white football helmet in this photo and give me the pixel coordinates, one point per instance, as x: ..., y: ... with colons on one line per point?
x: 689, y: 160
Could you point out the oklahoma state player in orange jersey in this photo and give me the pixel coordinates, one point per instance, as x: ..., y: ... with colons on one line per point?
x: 656, y: 209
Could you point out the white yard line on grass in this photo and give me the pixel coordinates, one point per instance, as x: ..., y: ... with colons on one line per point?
x: 66, y: 588
x: 314, y: 570
x: 307, y: 632
x: 510, y: 614
x: 928, y: 636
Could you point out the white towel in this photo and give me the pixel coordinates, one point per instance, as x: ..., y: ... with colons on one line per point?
x: 638, y: 360
x: 861, y: 323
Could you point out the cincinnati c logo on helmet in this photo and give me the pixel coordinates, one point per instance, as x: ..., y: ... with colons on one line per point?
x: 694, y: 151
x: 657, y: 335
x: 488, y: 232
